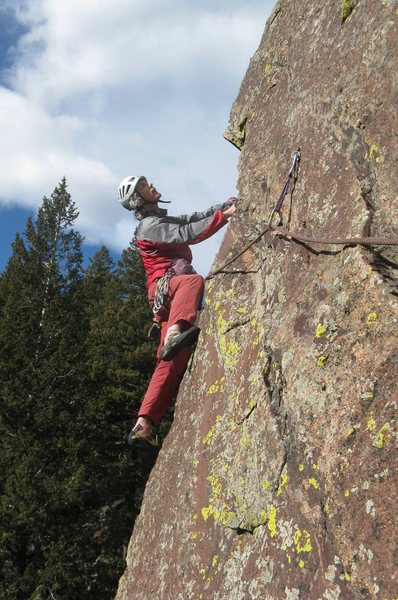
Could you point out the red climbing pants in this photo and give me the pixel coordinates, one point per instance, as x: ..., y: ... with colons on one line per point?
x: 185, y: 293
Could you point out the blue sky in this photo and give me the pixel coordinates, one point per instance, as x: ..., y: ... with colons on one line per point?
x: 95, y: 91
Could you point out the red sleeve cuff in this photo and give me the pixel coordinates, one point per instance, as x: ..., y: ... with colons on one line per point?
x: 218, y: 221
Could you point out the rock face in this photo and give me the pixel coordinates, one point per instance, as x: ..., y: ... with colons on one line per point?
x: 278, y: 479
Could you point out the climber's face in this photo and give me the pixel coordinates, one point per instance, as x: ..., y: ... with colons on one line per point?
x: 148, y: 191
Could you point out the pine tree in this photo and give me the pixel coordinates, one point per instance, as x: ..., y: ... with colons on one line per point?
x: 40, y: 347
x: 74, y: 363
x: 119, y: 363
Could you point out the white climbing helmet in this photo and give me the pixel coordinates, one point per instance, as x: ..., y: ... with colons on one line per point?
x: 126, y: 190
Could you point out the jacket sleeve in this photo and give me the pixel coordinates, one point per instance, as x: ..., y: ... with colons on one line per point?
x: 198, y: 216
x: 177, y: 230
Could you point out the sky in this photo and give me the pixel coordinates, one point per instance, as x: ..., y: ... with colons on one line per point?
x: 97, y: 90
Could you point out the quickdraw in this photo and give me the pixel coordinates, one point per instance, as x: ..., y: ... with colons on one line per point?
x: 298, y: 237
x: 292, y: 176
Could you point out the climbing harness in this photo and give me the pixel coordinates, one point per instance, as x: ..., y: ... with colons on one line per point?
x: 292, y: 176
x: 178, y: 266
x: 298, y: 237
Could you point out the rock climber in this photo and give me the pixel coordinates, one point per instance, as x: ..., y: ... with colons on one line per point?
x: 175, y: 290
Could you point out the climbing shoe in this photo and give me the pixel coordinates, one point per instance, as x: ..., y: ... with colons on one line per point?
x: 176, y: 341
x: 134, y: 436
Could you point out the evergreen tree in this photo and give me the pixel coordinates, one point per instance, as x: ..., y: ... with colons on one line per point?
x: 40, y: 347
x: 119, y: 363
x: 74, y: 364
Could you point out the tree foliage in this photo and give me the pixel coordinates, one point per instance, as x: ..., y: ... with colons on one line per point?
x: 74, y: 363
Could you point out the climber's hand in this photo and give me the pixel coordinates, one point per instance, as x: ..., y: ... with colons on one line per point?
x: 229, y: 211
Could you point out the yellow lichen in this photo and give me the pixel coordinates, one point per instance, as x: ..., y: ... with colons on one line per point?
x: 263, y: 516
x: 301, y: 467
x: 283, y: 482
x: 214, y: 561
x: 347, y: 493
x: 272, y: 520
x: 229, y: 350
x: 224, y: 517
x: 312, y: 481
x: 383, y: 436
x: 252, y: 404
x: 371, y: 318
x: 346, y: 9
x: 320, y: 330
x: 206, y: 512
x: 302, y: 541
x: 371, y: 426
x: 321, y: 361
x: 217, y: 386
x: 209, y: 437
x: 245, y: 440
x: 215, y: 485
x: 374, y: 154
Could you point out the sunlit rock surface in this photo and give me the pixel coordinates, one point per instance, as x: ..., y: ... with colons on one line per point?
x: 278, y: 479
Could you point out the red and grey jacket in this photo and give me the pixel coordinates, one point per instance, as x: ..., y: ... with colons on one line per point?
x: 162, y: 238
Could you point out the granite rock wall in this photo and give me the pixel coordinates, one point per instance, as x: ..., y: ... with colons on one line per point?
x: 278, y: 479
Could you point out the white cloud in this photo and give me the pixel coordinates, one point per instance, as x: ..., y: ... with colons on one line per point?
x: 99, y: 90
x: 74, y: 47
